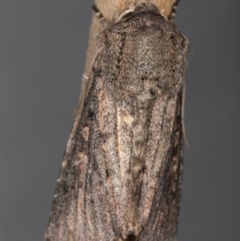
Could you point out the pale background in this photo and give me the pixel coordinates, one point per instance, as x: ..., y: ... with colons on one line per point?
x: 42, y: 54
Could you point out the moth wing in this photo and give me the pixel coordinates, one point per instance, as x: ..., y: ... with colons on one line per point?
x: 89, y: 188
x: 161, y: 187
x: 124, y: 153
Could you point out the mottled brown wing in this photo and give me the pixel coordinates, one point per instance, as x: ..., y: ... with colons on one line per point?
x: 147, y: 88
x: 163, y: 176
x: 120, y: 174
x: 84, y: 205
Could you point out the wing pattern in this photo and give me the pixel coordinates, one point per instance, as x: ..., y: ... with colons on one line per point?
x: 121, y: 174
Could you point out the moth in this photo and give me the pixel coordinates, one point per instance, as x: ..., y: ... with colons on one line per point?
x: 121, y: 174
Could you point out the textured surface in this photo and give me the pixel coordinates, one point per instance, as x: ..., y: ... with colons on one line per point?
x: 111, y: 10
x: 121, y: 173
x: 43, y: 47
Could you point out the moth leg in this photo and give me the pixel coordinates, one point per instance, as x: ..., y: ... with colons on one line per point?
x: 85, y: 77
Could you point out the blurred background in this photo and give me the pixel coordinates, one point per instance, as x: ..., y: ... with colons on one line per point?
x: 42, y: 56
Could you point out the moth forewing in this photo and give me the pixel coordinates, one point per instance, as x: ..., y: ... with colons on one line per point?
x: 121, y: 174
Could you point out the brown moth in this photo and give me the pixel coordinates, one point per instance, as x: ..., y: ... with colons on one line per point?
x: 121, y: 174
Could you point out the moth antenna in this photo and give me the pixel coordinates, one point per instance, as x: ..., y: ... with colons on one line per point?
x: 183, y: 111
x: 174, y: 10
x: 99, y: 14
x: 127, y: 11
